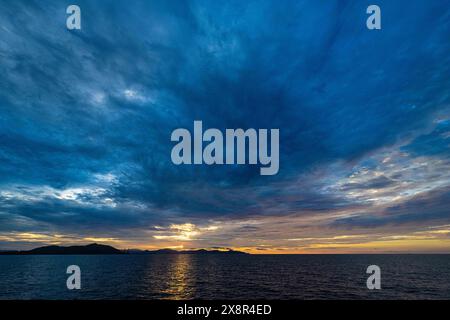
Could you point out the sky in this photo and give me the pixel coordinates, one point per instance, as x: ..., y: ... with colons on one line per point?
x: 364, y: 117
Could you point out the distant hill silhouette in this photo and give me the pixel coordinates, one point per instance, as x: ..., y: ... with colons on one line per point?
x: 171, y: 251
x: 104, y: 249
x: 89, y: 249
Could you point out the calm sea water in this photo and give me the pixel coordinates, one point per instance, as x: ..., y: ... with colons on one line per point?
x: 225, y: 277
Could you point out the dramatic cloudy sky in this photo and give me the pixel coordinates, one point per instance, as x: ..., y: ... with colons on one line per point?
x: 364, y: 118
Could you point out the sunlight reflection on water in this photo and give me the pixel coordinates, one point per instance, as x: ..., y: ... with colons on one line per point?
x: 179, y: 281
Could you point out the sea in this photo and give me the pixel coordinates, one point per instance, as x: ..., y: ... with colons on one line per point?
x: 193, y: 276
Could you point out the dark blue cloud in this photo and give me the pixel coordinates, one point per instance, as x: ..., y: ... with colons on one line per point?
x: 105, y: 99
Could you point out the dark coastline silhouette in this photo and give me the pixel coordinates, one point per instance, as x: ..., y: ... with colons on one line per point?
x: 95, y: 248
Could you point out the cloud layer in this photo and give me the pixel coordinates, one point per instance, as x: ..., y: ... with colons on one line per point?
x: 364, y: 118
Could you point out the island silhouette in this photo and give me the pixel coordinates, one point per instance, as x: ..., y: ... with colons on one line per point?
x: 95, y: 248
